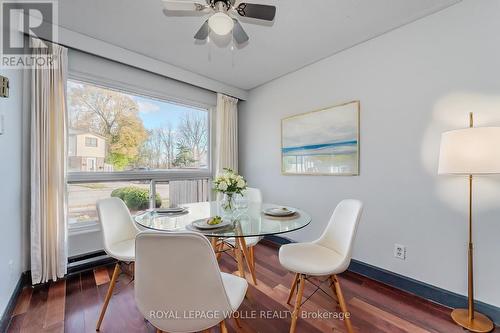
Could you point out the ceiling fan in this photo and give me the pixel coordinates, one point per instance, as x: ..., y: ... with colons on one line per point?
x: 223, y: 15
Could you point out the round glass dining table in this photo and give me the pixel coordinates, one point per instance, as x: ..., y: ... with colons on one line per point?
x: 250, y: 221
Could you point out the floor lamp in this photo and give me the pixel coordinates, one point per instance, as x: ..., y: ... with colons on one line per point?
x: 470, y: 151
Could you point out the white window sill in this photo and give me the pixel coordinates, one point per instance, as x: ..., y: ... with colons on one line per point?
x: 78, y: 228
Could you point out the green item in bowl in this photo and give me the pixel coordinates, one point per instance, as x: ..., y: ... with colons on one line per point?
x: 214, y: 220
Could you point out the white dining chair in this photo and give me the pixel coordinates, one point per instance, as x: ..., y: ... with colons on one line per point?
x: 252, y: 196
x: 177, y: 273
x: 118, y: 232
x: 327, y: 256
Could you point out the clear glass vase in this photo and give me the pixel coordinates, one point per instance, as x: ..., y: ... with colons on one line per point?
x: 227, y: 204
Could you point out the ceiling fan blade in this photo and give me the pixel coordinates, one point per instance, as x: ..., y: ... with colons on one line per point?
x: 184, y: 6
x: 202, y: 33
x: 261, y: 12
x: 240, y: 36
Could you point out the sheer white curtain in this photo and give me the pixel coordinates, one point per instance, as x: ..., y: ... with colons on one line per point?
x: 187, y: 191
x: 48, y: 165
x: 226, y: 133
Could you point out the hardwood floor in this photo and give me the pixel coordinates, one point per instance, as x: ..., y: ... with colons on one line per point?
x: 73, y: 305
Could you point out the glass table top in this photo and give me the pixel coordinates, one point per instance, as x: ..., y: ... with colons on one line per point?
x: 248, y: 222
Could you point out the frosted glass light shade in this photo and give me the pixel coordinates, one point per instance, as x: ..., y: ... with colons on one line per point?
x: 470, y: 151
x: 221, y: 23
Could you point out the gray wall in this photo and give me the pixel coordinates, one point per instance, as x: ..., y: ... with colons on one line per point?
x: 413, y: 83
x: 11, y: 250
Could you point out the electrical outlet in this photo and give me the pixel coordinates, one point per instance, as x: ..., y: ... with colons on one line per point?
x: 400, y: 251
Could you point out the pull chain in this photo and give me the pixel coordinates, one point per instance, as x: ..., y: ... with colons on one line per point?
x: 232, y: 51
x: 209, y: 46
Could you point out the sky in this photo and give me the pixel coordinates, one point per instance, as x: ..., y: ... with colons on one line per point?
x: 154, y: 113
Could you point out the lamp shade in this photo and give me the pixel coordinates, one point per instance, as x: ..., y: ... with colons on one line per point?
x: 470, y: 151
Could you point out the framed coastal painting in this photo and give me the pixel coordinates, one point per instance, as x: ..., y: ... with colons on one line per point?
x: 322, y: 142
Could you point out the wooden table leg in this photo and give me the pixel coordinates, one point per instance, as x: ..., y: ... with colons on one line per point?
x: 243, y: 246
x: 220, y: 248
x: 239, y: 260
x: 213, y: 241
x: 252, y: 255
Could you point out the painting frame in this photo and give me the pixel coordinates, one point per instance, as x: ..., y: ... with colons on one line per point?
x: 328, y: 108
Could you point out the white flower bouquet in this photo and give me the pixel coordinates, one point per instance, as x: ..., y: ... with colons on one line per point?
x: 229, y: 183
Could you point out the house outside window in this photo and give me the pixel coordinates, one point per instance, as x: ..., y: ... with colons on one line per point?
x: 87, y: 151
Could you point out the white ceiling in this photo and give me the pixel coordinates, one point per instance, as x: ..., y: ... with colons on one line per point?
x: 303, y: 32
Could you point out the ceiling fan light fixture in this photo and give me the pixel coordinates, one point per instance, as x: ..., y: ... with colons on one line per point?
x: 220, y: 23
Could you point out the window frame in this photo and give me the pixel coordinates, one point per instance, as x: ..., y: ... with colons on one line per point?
x: 153, y: 176
x: 157, y: 175
x: 89, y: 142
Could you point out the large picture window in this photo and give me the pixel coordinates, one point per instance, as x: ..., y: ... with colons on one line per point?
x: 133, y: 147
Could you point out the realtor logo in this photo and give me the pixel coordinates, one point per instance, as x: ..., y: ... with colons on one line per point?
x: 26, y: 18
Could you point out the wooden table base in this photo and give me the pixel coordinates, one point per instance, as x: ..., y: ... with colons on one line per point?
x: 241, y: 253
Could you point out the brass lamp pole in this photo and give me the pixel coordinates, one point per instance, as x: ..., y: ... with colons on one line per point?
x: 458, y: 156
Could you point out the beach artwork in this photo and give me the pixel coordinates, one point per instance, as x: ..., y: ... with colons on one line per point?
x: 323, y: 142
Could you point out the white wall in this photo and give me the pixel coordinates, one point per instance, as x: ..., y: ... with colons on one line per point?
x: 413, y: 83
x: 11, y: 251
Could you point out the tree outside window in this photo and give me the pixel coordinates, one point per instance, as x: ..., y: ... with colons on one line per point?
x: 139, y: 133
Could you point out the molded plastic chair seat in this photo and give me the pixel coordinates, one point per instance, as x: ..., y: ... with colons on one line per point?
x: 124, y: 250
x: 311, y: 259
x: 118, y: 229
x: 236, y: 288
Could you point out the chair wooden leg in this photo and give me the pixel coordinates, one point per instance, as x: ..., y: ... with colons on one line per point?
x: 116, y: 272
x: 243, y: 247
x: 237, y: 320
x: 158, y: 330
x: 343, y: 306
x: 223, y: 327
x: 298, y: 301
x: 292, y: 289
